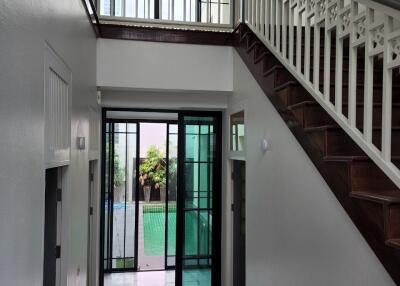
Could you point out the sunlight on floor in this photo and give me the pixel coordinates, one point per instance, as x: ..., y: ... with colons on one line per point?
x: 146, y: 278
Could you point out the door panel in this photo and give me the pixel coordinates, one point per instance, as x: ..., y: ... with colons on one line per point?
x: 239, y: 223
x: 199, y: 203
x: 120, y: 204
x: 50, y: 229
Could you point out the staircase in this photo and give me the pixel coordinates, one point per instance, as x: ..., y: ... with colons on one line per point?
x: 369, y: 197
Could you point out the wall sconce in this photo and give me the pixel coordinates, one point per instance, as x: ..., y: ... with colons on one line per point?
x: 80, y: 143
x: 265, y: 145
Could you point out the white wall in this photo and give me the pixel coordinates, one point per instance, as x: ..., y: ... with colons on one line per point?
x: 135, y: 64
x: 25, y: 25
x: 165, y: 99
x: 297, y: 232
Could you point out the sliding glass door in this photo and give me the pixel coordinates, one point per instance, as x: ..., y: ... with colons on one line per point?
x: 199, y: 215
x: 161, y: 195
x: 120, y: 206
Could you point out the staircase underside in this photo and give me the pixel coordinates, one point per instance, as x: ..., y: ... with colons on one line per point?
x: 369, y: 197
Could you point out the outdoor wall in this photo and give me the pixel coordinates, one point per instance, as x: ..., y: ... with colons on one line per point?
x: 25, y: 26
x: 297, y: 232
x: 177, y: 67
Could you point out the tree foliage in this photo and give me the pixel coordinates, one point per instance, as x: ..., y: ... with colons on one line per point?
x: 152, y: 170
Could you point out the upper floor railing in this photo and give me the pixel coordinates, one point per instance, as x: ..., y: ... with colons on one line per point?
x: 346, y: 53
x: 198, y: 13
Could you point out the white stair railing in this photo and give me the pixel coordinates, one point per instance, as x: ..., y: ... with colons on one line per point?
x: 286, y: 28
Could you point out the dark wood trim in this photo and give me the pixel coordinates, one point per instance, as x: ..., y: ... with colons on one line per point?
x: 123, y: 32
x: 96, y: 23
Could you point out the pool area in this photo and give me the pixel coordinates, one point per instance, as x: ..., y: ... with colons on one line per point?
x: 154, y: 231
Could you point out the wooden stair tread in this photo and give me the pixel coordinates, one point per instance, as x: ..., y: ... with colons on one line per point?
x: 252, y: 45
x: 336, y: 127
x: 387, y: 197
x: 272, y: 69
x: 332, y: 84
x: 245, y: 35
x: 287, y: 84
x: 348, y: 158
x: 261, y: 56
x: 314, y: 103
x: 393, y: 242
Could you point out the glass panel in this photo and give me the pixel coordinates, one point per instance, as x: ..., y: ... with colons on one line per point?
x: 237, y: 131
x: 173, y: 129
x: 172, y: 193
x: 106, y: 233
x: 153, y: 180
x: 119, y: 127
x: 214, y: 12
x: 198, y: 180
x: 178, y: 10
x: 225, y: 13
x: 141, y: 8
x: 120, y: 196
x: 130, y: 8
x: 105, y: 7
x: 131, y: 127
x: 201, y: 276
x: 204, y: 18
x: 130, y: 195
x: 106, y: 199
x: 117, y: 8
x: 204, y: 177
x: 119, y: 193
x: 204, y: 147
x: 191, y: 233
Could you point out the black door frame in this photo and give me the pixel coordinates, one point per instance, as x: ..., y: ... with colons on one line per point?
x: 216, y: 236
x: 51, y: 250
x: 239, y: 240
x: 217, y: 197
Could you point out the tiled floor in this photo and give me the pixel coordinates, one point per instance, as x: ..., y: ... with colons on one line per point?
x: 158, y: 278
x: 145, y: 278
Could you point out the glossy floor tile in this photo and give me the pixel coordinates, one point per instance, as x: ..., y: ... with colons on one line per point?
x: 146, y: 278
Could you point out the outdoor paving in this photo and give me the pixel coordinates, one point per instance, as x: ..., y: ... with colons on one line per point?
x: 158, y: 278
x: 145, y: 262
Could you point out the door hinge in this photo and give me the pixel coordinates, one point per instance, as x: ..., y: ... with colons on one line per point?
x: 91, y: 211
x: 91, y: 177
x: 59, y: 195
x: 232, y: 175
x: 58, y: 251
x: 233, y: 207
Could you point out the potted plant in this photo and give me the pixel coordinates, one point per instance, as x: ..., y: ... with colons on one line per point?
x: 160, y: 181
x: 150, y: 171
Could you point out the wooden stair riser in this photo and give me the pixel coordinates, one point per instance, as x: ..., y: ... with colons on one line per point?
x: 374, y: 214
x: 313, y: 115
x: 277, y: 76
x: 392, y: 221
x: 292, y: 94
x: 335, y: 142
x: 365, y: 175
x: 378, y: 76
